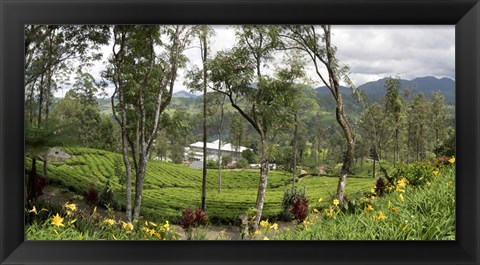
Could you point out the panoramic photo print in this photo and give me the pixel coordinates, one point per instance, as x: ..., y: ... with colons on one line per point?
x: 239, y: 132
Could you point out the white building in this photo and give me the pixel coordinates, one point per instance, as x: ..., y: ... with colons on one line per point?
x: 195, y: 151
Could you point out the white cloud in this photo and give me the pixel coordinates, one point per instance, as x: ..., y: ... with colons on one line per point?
x: 372, y: 52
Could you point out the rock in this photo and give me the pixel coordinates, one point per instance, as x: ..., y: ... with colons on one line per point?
x: 56, y: 154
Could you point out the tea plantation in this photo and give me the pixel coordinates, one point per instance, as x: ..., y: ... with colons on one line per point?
x: 171, y: 188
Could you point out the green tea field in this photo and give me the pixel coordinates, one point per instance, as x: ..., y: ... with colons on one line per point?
x: 170, y: 188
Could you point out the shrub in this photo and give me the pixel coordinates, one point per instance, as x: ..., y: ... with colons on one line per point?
x: 417, y: 174
x: 300, y: 209
x: 192, y: 218
x: 242, y: 163
x: 288, y: 202
x: 212, y: 164
x: 249, y: 155
x: 107, y: 197
x: 91, y: 196
x: 380, y: 187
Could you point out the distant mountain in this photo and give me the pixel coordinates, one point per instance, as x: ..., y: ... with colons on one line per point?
x: 184, y: 94
x: 375, y: 90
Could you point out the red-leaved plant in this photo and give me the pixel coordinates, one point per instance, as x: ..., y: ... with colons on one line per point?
x: 299, y: 209
x: 192, y: 218
x: 91, y: 196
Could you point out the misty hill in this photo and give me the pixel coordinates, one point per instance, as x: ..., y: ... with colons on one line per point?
x: 184, y: 94
x: 375, y: 91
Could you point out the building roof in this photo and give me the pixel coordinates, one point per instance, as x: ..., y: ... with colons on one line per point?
x: 214, y: 146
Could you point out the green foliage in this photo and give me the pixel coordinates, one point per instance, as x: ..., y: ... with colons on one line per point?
x: 420, y: 213
x: 249, y: 155
x: 107, y: 197
x: 417, y: 173
x: 242, y: 163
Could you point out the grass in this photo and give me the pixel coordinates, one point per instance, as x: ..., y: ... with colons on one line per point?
x: 170, y: 188
x: 426, y: 213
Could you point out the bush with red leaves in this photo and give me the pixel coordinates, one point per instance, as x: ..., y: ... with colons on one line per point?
x: 192, y: 218
x: 299, y: 209
x: 380, y: 187
x: 40, y: 183
x: 91, y: 196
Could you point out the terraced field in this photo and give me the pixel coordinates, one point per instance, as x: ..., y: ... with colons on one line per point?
x: 170, y: 188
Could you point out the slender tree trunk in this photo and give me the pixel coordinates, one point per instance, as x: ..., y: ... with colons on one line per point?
x: 47, y: 96
x: 373, y: 172
x: 40, y: 101
x: 140, y: 178
x: 128, y: 176
x: 295, y: 135
x: 348, y: 158
x: 262, y: 187
x: 219, y: 164
x: 219, y: 149
x: 204, y: 172
x: 32, y: 180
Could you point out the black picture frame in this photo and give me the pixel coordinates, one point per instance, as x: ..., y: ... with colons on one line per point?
x: 465, y: 14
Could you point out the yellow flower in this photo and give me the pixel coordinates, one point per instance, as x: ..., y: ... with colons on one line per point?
x: 274, y: 226
x: 400, y: 197
x: 335, y: 202
x: 402, y: 183
x: 33, y: 210
x: 436, y: 172
x: 127, y: 226
x: 320, y: 200
x: 315, y: 210
x: 264, y: 223
x: 266, y: 238
x: 151, y: 232
x: 329, y: 212
x: 57, y: 220
x: 166, y: 226
x: 370, y: 208
x: 109, y: 221
x: 70, y: 206
x: 381, y: 216
x: 452, y: 160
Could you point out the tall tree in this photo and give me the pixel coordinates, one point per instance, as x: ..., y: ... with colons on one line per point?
x: 419, y: 122
x: 394, y: 110
x: 198, y: 80
x: 316, y: 42
x: 262, y: 100
x: 143, y: 68
x: 439, y: 118
x: 49, y: 49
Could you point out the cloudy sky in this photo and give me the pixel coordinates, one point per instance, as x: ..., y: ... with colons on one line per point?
x: 372, y: 52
